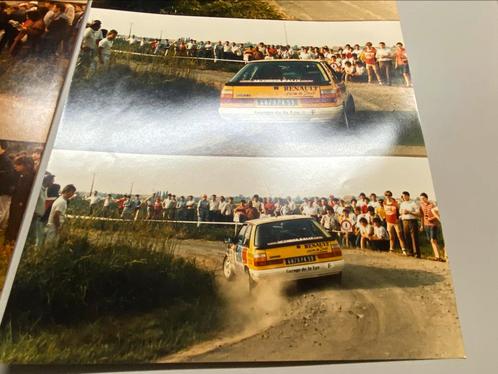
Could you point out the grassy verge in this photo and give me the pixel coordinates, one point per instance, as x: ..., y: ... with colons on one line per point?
x: 80, y: 302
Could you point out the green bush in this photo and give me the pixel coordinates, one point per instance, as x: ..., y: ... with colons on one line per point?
x: 77, y: 281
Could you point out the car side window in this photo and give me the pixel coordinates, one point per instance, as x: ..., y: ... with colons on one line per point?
x: 247, y: 236
x: 241, y: 235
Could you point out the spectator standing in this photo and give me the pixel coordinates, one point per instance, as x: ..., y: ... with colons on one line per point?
x: 181, y: 209
x: 58, y: 214
x: 391, y: 210
x: 371, y: 62
x: 91, y: 37
x: 401, y: 63
x: 158, y: 208
x: 24, y: 169
x: 107, y: 206
x: 203, y: 209
x: 7, y: 183
x: 429, y: 223
x: 409, y: 213
x: 385, y: 57
x: 94, y: 199
x: 137, y: 205
x: 105, y: 46
x: 190, y: 206
x: 214, y: 208
x: 57, y: 30
x: 37, y: 226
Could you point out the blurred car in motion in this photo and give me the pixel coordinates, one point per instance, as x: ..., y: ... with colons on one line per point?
x: 285, y: 248
x: 286, y: 91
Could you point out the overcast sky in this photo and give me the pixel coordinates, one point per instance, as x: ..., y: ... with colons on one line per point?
x: 184, y: 175
x: 249, y: 30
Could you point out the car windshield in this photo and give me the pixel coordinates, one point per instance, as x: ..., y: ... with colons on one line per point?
x: 286, y: 232
x: 281, y: 71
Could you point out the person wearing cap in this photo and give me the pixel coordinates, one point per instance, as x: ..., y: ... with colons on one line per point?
x: 91, y: 37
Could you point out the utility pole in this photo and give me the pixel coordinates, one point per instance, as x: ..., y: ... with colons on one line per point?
x: 131, y: 188
x: 93, y: 183
x: 131, y: 26
x: 285, y: 33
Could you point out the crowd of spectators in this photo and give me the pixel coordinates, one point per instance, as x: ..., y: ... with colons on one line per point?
x: 39, y: 28
x: 353, y: 63
x: 17, y: 173
x: 377, y: 222
x: 95, y: 48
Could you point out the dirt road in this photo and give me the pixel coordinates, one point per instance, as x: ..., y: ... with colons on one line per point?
x: 319, y: 10
x: 389, y: 307
x: 182, y: 115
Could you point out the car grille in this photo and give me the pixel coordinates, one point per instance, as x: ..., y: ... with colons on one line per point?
x: 277, y: 102
x: 299, y: 260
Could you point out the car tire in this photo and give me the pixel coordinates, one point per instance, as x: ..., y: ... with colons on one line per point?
x: 227, y: 269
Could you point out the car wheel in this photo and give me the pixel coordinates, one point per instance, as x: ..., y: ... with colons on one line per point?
x: 227, y: 268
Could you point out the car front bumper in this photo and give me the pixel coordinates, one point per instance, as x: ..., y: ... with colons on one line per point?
x: 304, y: 271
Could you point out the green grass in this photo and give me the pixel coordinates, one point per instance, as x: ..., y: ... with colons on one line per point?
x: 86, y: 302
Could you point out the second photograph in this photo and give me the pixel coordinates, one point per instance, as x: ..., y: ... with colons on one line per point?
x: 191, y: 85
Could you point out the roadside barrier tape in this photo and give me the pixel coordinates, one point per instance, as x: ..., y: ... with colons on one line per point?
x: 94, y: 218
x: 187, y: 57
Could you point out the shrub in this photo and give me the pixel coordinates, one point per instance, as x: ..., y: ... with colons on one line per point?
x: 79, y: 281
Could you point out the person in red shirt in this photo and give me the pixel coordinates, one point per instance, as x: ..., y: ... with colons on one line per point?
x: 430, y: 223
x: 401, y: 63
x: 269, y: 206
x: 371, y: 62
x: 391, y: 210
x: 251, y: 211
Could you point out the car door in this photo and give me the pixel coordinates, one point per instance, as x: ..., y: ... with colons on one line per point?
x: 241, y: 246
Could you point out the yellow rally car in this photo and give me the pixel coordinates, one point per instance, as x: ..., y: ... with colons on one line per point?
x: 287, y: 248
x: 286, y: 91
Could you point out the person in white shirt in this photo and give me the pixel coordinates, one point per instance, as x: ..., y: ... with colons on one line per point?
x: 107, y: 205
x: 57, y: 214
x: 373, y: 201
x: 227, y: 210
x: 86, y: 60
x: 409, y: 214
x: 311, y: 210
x: 365, y: 232
x: 214, y: 209
x: 94, y: 200
x: 105, y: 46
x: 385, y: 59
x: 380, y: 237
x: 329, y: 221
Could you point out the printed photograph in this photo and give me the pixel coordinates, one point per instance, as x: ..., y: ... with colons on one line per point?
x: 188, y: 259
x: 19, y: 162
x: 37, y: 39
x: 189, y: 85
x: 229, y: 190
